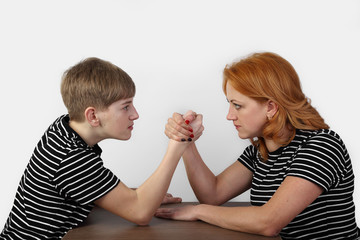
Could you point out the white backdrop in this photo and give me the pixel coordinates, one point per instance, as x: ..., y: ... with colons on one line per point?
x: 175, y: 52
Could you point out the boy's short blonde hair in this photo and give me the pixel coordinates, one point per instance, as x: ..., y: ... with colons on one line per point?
x: 94, y: 82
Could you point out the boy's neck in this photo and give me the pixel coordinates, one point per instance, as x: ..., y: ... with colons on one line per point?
x: 85, y: 131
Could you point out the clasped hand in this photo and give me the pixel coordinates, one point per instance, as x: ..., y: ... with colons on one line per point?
x: 187, y: 127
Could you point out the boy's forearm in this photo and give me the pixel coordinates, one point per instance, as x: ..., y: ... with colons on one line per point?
x: 153, y: 190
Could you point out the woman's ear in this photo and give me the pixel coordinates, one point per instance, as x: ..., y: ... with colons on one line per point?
x: 272, y: 108
x: 91, y: 117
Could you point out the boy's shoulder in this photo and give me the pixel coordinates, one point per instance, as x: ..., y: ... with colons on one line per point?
x: 62, y: 138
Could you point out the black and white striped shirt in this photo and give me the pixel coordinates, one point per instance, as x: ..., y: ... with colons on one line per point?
x: 317, y: 156
x: 59, y: 186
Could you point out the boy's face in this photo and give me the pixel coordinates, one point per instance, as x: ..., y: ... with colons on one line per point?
x: 118, y: 120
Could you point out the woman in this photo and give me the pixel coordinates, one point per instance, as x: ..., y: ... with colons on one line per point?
x: 299, y: 171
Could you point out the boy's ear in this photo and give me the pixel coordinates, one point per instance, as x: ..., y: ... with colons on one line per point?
x: 91, y: 117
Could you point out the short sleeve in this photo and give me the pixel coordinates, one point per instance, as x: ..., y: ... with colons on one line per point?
x: 247, y: 158
x: 83, y: 178
x: 321, y: 160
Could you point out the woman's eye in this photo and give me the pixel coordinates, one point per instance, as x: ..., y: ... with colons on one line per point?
x: 237, y: 106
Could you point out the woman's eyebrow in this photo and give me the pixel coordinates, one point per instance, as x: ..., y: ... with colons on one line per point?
x: 232, y: 100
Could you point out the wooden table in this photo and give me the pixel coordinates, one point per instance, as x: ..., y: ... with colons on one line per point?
x: 103, y: 225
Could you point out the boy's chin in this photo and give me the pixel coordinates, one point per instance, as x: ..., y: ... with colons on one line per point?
x: 124, y: 138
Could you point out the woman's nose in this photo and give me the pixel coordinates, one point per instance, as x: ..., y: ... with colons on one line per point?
x: 231, y: 116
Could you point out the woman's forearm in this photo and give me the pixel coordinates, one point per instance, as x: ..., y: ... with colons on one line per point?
x: 202, y: 180
x: 244, y: 219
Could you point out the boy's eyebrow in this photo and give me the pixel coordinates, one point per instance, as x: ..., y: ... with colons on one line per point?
x: 127, y: 102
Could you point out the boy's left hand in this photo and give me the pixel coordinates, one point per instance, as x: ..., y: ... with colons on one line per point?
x: 168, y: 199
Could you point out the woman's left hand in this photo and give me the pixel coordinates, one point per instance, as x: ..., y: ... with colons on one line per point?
x: 186, y: 213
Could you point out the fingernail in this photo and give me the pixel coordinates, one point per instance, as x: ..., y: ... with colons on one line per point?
x: 189, y: 139
x: 192, y: 135
x: 183, y: 139
x: 187, y: 122
x: 191, y: 130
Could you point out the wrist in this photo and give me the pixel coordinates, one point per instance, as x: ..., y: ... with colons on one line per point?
x: 198, y: 209
x: 190, y: 150
x: 176, y: 145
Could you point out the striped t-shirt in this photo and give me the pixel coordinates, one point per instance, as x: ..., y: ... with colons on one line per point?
x: 317, y: 156
x: 59, y: 186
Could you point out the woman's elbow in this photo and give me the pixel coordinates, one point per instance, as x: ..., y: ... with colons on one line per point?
x: 210, y: 201
x: 270, y: 231
x: 270, y: 228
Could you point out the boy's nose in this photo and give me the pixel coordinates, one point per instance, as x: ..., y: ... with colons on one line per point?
x: 134, y: 115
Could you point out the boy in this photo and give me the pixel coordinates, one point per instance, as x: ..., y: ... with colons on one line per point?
x: 66, y: 177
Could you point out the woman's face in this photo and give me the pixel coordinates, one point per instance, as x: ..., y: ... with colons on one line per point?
x: 248, y: 115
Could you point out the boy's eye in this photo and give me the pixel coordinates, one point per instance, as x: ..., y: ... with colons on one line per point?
x: 126, y: 108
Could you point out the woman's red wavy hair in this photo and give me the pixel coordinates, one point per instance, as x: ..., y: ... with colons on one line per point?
x: 267, y: 76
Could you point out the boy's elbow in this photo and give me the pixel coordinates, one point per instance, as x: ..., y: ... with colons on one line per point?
x: 142, y: 222
x: 142, y: 219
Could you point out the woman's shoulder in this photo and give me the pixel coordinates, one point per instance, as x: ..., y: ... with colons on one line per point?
x: 322, y: 135
x: 326, y: 144
x: 249, y: 153
x: 250, y: 150
x: 302, y: 134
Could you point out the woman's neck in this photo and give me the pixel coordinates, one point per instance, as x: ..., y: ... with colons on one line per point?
x: 285, y: 135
